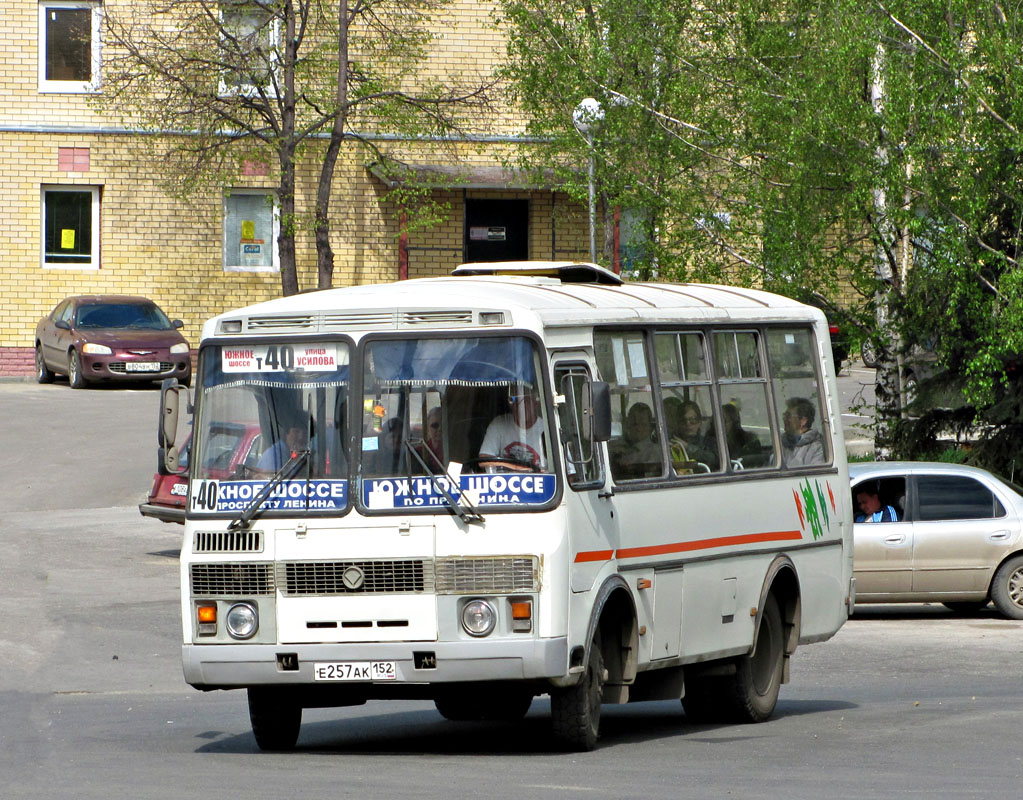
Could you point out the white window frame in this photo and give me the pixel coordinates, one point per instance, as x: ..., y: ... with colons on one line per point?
x: 275, y: 211
x: 70, y: 87
x: 248, y: 89
x: 94, y: 260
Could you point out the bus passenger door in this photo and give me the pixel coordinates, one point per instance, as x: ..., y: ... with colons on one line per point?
x: 592, y: 526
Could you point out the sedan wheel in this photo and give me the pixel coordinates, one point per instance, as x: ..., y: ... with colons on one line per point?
x: 74, y: 371
x: 868, y: 354
x: 43, y: 373
x: 1007, y: 588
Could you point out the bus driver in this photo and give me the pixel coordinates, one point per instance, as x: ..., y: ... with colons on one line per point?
x: 517, y: 435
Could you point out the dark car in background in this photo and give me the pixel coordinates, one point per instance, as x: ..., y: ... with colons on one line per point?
x: 838, y: 328
x: 91, y: 338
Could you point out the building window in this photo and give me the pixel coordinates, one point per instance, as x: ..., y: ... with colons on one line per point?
x: 249, y: 38
x: 69, y: 46
x: 70, y: 227
x: 251, y: 225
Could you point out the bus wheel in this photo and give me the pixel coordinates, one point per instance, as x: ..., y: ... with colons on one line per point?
x: 509, y: 706
x: 575, y: 710
x: 275, y: 719
x: 754, y: 691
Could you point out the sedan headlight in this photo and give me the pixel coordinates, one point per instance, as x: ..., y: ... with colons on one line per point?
x: 478, y: 618
x: 96, y: 349
x: 242, y: 621
x: 180, y: 347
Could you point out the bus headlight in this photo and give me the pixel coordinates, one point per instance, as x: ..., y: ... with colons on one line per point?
x: 478, y: 618
x: 242, y: 621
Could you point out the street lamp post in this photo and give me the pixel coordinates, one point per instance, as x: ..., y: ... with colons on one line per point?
x: 586, y: 117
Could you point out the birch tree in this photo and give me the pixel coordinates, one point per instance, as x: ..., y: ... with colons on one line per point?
x: 282, y: 82
x: 809, y: 147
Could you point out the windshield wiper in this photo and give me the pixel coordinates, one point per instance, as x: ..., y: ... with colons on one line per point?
x: 290, y: 467
x: 468, y: 513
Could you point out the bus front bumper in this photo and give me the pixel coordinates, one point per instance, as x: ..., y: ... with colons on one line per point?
x: 229, y: 666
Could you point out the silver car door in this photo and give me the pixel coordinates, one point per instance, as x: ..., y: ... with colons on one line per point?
x: 882, y: 557
x: 961, y: 534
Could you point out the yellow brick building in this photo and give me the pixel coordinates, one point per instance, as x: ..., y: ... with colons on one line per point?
x: 62, y: 156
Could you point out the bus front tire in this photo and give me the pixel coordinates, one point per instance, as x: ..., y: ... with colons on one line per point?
x: 275, y: 719
x: 575, y: 710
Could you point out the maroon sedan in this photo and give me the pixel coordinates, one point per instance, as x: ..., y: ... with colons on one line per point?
x: 111, y: 337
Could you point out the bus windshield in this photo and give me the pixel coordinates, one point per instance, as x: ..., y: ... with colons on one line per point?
x: 261, y: 404
x: 477, y: 402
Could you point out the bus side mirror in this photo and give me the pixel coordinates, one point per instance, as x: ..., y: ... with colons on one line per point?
x: 600, y: 404
x: 167, y: 427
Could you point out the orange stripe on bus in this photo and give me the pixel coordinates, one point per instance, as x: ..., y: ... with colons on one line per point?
x: 594, y: 555
x: 707, y: 544
x: 688, y: 547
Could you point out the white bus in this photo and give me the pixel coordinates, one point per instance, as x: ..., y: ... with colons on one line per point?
x: 523, y: 479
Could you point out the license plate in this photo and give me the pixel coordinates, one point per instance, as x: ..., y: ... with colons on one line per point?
x: 142, y: 366
x: 355, y: 671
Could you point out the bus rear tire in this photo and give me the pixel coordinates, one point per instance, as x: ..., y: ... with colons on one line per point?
x: 575, y: 710
x: 754, y: 690
x: 275, y: 719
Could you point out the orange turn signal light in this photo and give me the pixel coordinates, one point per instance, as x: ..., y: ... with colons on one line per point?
x: 207, y: 614
x: 522, y: 609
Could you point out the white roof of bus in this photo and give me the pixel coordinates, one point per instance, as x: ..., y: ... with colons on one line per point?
x: 541, y: 300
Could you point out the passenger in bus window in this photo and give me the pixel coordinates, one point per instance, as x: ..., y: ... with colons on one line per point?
x: 692, y: 450
x: 637, y: 454
x: 740, y: 441
x: 517, y: 437
x: 803, y: 445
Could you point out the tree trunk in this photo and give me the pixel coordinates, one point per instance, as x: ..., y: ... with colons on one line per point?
x: 324, y: 252
x: 286, y: 237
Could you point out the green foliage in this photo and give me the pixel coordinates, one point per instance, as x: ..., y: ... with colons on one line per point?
x: 840, y: 143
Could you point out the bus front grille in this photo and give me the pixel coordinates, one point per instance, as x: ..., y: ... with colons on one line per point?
x: 229, y: 580
x: 392, y: 576
x: 489, y: 575
x: 241, y: 541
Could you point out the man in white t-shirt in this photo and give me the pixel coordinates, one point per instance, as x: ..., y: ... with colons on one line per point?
x: 517, y: 435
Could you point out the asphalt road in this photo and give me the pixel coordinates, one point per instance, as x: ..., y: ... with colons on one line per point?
x: 905, y: 701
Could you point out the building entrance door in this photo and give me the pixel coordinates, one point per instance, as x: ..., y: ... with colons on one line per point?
x: 496, y: 230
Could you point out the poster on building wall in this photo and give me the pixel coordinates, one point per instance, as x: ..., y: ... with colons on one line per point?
x: 251, y: 253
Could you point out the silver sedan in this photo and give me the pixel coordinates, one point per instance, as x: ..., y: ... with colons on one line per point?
x: 937, y: 532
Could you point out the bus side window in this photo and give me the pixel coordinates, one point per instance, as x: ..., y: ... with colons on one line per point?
x: 636, y: 448
x: 797, y: 397
x: 745, y: 413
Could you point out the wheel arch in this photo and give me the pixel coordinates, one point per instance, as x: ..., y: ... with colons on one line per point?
x: 782, y: 580
x: 614, y: 617
x: 1006, y: 558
